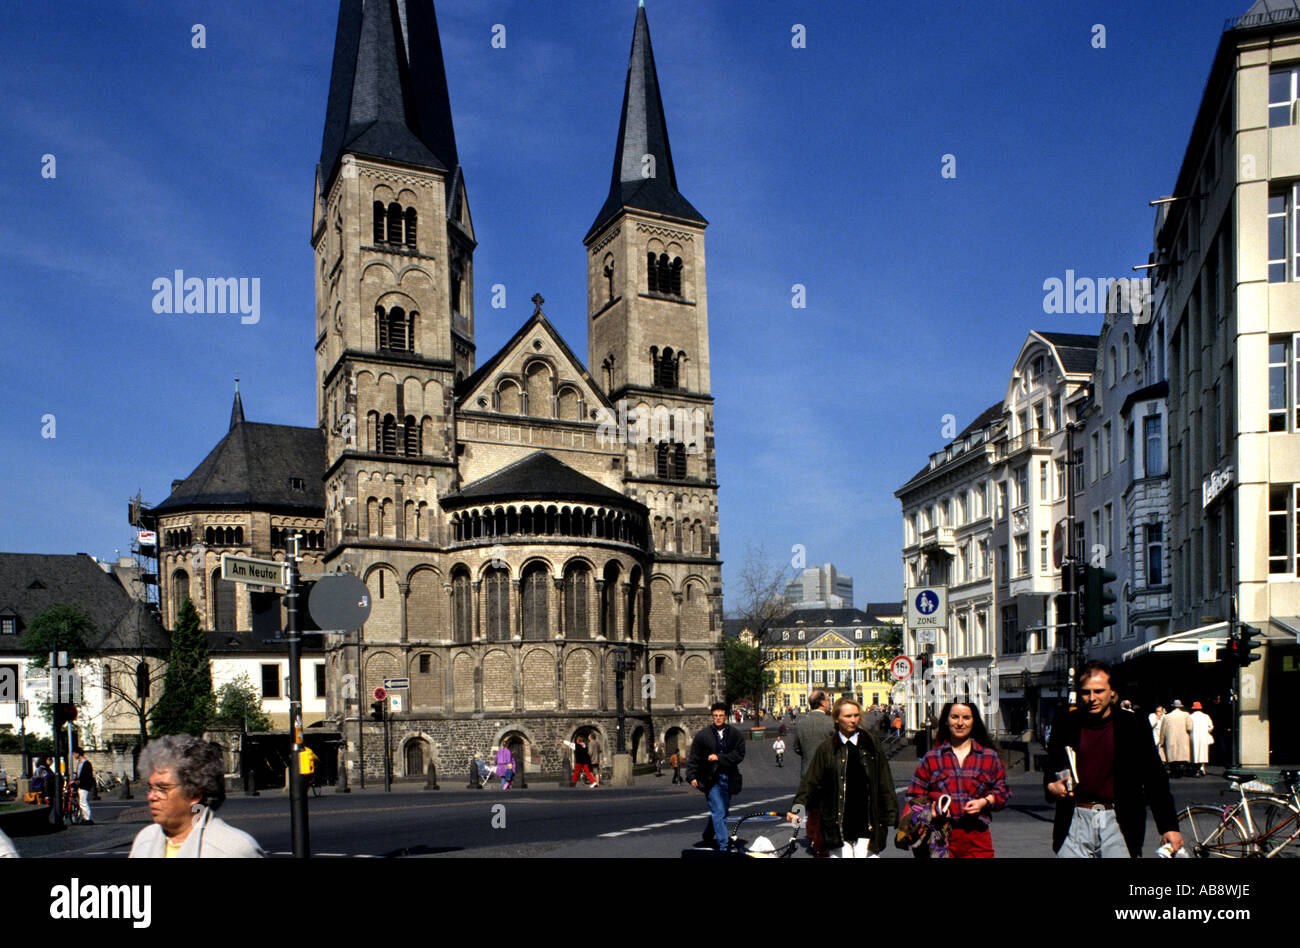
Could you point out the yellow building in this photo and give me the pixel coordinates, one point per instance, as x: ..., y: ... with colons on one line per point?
x: 841, y: 651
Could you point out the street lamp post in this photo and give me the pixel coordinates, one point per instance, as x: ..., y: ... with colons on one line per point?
x: 620, y: 669
x: 22, y: 718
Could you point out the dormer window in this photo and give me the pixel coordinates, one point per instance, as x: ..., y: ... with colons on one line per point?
x: 297, y: 484
x: 8, y: 625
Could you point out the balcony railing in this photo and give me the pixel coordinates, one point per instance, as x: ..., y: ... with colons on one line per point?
x: 1267, y: 18
x: 942, y: 538
x: 1030, y: 439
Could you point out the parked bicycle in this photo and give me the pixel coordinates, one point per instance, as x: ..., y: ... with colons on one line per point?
x: 1262, y: 823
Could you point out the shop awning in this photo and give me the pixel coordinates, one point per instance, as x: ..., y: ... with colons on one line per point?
x: 1180, y: 641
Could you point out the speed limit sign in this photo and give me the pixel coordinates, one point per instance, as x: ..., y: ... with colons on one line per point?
x: 901, y: 668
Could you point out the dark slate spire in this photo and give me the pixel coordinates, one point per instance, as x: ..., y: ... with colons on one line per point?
x: 388, y: 89
x: 237, y: 410
x: 643, y: 131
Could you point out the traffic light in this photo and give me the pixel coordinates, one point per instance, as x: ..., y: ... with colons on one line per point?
x: 1232, y: 651
x: 1246, y: 645
x: 377, y: 710
x: 1096, y: 598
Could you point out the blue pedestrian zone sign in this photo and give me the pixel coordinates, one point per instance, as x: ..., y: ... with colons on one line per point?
x: 927, y: 607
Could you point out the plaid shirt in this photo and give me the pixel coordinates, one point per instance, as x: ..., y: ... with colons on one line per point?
x: 981, y: 775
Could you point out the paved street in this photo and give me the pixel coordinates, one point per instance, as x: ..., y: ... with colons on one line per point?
x: 652, y: 819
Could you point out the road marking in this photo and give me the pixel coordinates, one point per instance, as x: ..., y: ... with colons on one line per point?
x: 683, y: 819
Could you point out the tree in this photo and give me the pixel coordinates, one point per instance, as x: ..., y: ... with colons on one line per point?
x: 239, y: 706
x: 887, y: 646
x: 744, y: 665
x: 187, y: 704
x: 59, y: 629
x: 762, y: 608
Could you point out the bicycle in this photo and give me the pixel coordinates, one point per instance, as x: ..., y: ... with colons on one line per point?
x: 71, y: 804
x: 1261, y: 824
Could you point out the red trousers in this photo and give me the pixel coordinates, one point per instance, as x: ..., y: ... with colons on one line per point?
x: 582, y: 768
x: 968, y: 844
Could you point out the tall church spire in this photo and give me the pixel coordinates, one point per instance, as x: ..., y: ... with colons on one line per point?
x: 237, y: 409
x: 643, y: 178
x: 388, y: 89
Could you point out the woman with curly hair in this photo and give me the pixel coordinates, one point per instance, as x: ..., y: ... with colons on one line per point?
x: 186, y: 785
x: 965, y: 773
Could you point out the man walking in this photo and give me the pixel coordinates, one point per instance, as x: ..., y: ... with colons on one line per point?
x: 848, y: 781
x: 594, y: 751
x: 84, y: 775
x: 809, y: 734
x: 1174, y: 728
x: 1103, y: 771
x: 714, y: 767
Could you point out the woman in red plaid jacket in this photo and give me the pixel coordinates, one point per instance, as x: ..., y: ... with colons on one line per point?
x: 964, y: 767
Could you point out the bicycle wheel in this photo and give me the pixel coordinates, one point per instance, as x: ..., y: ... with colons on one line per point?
x: 1210, y: 833
x: 1277, y: 820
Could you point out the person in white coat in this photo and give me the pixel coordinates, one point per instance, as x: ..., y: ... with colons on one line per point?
x: 185, y: 786
x: 1200, y: 727
x: 1154, y: 719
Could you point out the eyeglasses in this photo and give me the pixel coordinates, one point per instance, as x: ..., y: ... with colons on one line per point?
x: 162, y: 789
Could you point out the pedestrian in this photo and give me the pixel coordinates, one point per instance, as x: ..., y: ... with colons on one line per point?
x: 778, y: 748
x: 1200, y: 726
x: 675, y: 762
x: 658, y: 755
x: 1175, y: 738
x: 713, y: 768
x: 848, y: 781
x: 581, y: 761
x: 84, y: 780
x: 965, y: 768
x: 186, y: 785
x: 1102, y: 773
x: 505, y: 765
x: 1154, y: 719
x: 809, y: 734
x: 596, y: 752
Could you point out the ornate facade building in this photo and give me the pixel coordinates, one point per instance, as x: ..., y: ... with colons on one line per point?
x: 528, y: 531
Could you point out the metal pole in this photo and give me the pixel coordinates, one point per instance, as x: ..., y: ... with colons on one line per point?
x: 620, y: 669
x: 1234, y: 687
x: 22, y: 717
x: 388, y: 760
x: 361, y: 755
x: 1073, y: 657
x: 297, y: 799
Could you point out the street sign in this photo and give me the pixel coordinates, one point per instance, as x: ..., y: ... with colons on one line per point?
x: 242, y: 569
x: 394, y: 683
x: 901, y: 668
x: 1207, y: 650
x: 380, y: 694
x: 339, y: 601
x: 926, y: 637
x: 395, y: 702
x: 927, y: 607
x: 939, y: 663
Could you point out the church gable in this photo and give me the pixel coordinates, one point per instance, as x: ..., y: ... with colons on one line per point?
x: 535, y: 375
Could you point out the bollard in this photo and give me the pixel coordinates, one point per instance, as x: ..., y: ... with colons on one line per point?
x: 431, y: 781
x: 473, y: 776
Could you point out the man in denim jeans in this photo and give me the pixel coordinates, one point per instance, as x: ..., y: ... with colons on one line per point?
x: 714, y: 768
x: 1116, y: 772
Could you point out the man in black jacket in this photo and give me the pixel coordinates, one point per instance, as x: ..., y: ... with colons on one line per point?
x: 1102, y: 795
x: 714, y: 767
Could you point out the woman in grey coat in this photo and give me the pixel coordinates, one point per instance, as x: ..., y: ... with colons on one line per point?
x: 186, y: 785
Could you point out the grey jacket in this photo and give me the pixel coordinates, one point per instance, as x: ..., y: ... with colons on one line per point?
x: 211, y: 838
x: 594, y: 749
x: 811, y: 729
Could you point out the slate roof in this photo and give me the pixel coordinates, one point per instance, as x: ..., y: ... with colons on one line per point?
x: 251, y: 467
x: 987, y: 417
x: 1266, y: 12
x: 30, y: 583
x: 539, y: 476
x: 642, y: 130
x: 388, y: 88
x: 1154, y: 390
x: 885, y: 610
x: 1078, y: 351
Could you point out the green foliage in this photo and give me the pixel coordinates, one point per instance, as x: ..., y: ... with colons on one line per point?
x: 239, y: 706
x: 187, y: 704
x: 744, y: 667
x: 59, y: 629
x: 12, y: 743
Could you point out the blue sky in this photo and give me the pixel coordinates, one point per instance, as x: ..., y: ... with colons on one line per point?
x: 817, y: 166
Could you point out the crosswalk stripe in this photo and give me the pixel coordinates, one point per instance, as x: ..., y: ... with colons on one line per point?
x: 683, y: 819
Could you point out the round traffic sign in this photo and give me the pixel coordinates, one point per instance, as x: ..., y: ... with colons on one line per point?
x: 339, y: 601
x: 380, y: 694
x: 901, y: 668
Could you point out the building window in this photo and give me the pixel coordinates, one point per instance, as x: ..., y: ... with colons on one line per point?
x: 982, y: 499
x: 1056, y: 412
x: 1022, y: 485
x: 1002, y: 500
x: 1155, y: 555
x: 1153, y: 459
x: 982, y: 564
x: 665, y: 275
x: 1022, y: 556
x: 1283, y: 251
x: 1013, y: 640
x: 462, y: 608
x: 665, y: 368
x: 496, y: 589
x: 534, y: 604
x: 1094, y: 455
x: 320, y: 679
x: 1108, y: 524
x: 1106, y: 449
x: 1002, y: 563
x: 1042, y: 550
x: 1282, y: 94
x: 8, y: 626
x: 1077, y: 468
x: 270, y: 681
x: 1283, y: 392
x: 576, y: 581
x: 425, y: 662
x: 1058, y: 468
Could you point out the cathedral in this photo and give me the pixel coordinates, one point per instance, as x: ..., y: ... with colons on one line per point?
x: 531, y: 529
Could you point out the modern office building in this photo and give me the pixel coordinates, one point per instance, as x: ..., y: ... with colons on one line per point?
x: 820, y: 587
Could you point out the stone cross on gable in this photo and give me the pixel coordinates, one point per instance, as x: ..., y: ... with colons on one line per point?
x: 538, y: 300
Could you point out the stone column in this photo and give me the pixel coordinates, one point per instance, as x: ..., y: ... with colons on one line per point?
x: 450, y: 634
x: 405, y: 590
x: 558, y: 598
x: 477, y: 586
x: 517, y: 606
x: 625, y: 612
x: 677, y: 616
x: 559, y: 678
x: 599, y: 611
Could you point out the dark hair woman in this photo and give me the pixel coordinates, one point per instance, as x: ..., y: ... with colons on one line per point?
x: 965, y: 767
